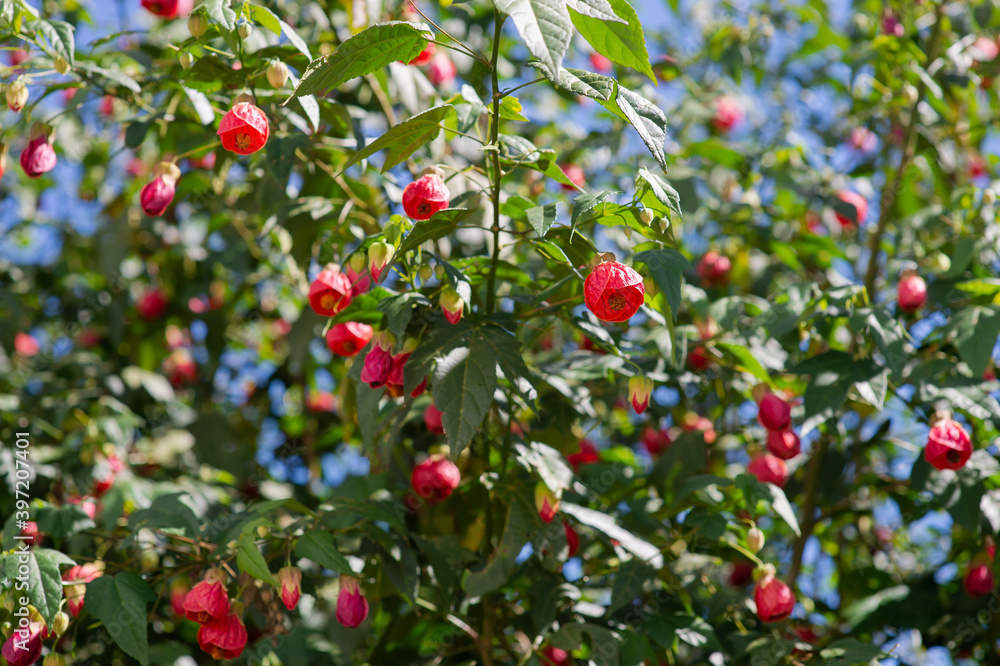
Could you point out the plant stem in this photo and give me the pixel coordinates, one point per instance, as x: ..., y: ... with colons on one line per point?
x: 909, y: 148
x: 494, y: 148
x: 808, y: 519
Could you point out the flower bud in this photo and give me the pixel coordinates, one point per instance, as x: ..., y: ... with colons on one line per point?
x: 432, y: 419
x: 59, y: 624
x: 425, y: 272
x: 379, y: 255
x: 3, y: 157
x: 38, y: 157
x: 435, y: 478
x: 940, y: 262
x: 357, y: 262
x: 546, y: 502
x: 277, y: 74
x: 452, y: 305
x: 352, y: 607
x: 60, y: 64
x: 290, y: 579
x: 646, y: 216
x: 17, y: 94
x: 774, y: 413
x: 639, y: 389
x: 244, y: 30
x: 197, y: 24
x: 158, y: 193
x: 911, y: 292
x: 377, y: 363
x: 713, y: 269
x: 755, y: 540
x: 783, y: 443
x: 185, y: 59
x: 979, y: 581
x: 148, y: 560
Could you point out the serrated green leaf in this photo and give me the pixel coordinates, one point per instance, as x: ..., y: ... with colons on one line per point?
x: 541, y: 218
x: 368, y: 51
x: 58, y: 35
x: 250, y: 560
x: 647, y: 119
x: 404, y: 139
x: 743, y: 359
x: 620, y: 41
x: 598, y: 9
x: 660, y: 189
x: 39, y: 568
x: 517, y: 529
x: 438, y: 226
x: 544, y: 25
x: 398, y: 311
x: 667, y: 268
x: 119, y: 602
x: 319, y: 547
x: 266, y: 18
x: 295, y: 39
x: 581, y: 82
x: 628, y: 582
x: 465, y: 379
x: 606, y: 523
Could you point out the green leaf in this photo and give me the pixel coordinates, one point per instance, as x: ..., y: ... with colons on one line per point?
x: 598, y: 9
x: 861, y: 609
x: 206, y: 114
x: 39, y: 568
x: 699, y: 482
x: 850, y: 651
x: 587, y: 202
x: 113, y: 75
x: 511, y: 359
x: 667, y: 268
x: 438, y: 226
x: 266, y: 18
x: 136, y: 130
x: 464, y: 382
x: 741, y: 358
x: 58, y: 35
x: 548, y: 463
x: 367, y: 401
x: 318, y: 546
x: 404, y: 139
x: 510, y: 109
x: 976, y: 329
x: 119, y: 602
x: 168, y: 513
x: 628, y: 582
x: 399, y: 310
x: 647, y: 119
x: 620, y: 41
x: 280, y: 153
x: 605, y: 523
x: 250, y: 560
x: 516, y: 532
x: 544, y: 25
x: 664, y: 193
x: 220, y: 13
x: 61, y: 522
x: 389, y: 512
x: 296, y: 41
x: 581, y: 82
x: 779, y: 502
x: 541, y: 218
x: 368, y: 51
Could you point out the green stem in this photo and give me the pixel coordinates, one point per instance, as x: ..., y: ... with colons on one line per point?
x: 494, y: 147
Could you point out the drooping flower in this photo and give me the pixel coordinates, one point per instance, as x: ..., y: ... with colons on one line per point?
x: 728, y: 113
x: 586, y: 454
x: 379, y: 256
x: 769, y: 469
x: 168, y: 9
x: 655, y: 440
x: 773, y: 412
x: 572, y: 539
x: 330, y: 292
x: 452, y: 305
x: 546, y: 502
x: 911, y: 293
x: 424, y: 56
x: 425, y: 196
x: 208, y: 600
x: 38, y: 157
x: 553, y: 656
x: 244, y: 129
x: 152, y: 304
x: 432, y: 419
x: 17, y: 94
x: 377, y: 363
x: 435, y: 478
x: 575, y: 174
x: 77, y: 577
x: 775, y: 600
x: 639, y: 390
x: 24, y: 645
x: 290, y: 579
x: 352, y: 607
x: 223, y: 638
x: 441, y: 71
x: 714, y: 269
x: 613, y: 291
x: 979, y: 580
x: 157, y: 194
x: 347, y: 339
x: 783, y: 443
x: 948, y: 445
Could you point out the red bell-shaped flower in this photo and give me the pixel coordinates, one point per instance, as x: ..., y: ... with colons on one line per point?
x: 546, y: 502
x: 152, y: 304
x: 208, y: 600
x: 290, y: 579
x: 783, y: 443
x: 157, y: 194
x: 330, y: 292
x: 948, y: 445
x: 377, y: 365
x: 244, y: 128
x: 425, y: 196
x: 435, y: 478
x: 225, y: 638
x: 639, y: 390
x: 553, y: 656
x: 979, y: 580
x: 586, y: 454
x: 714, y: 268
x: 38, y: 156
x: 432, y: 419
x: 613, y: 291
x: 77, y: 577
x: 168, y: 9
x: 769, y: 469
x: 424, y: 56
x: 346, y: 340
x: 728, y: 113
x: 24, y: 646
x: 572, y: 539
x: 774, y: 413
x: 352, y: 607
x: 655, y: 440
x: 911, y: 293
x: 774, y: 599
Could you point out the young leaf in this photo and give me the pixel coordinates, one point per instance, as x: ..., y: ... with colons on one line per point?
x: 621, y: 41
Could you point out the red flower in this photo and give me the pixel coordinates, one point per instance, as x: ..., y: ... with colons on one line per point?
x: 435, y: 478
x: 35, y: 535
x: 88, y: 504
x: 911, y: 293
x: 320, y: 401
x: 352, y: 607
x: 861, y: 208
x: 553, y: 656
x: 38, y: 157
x: 546, y: 502
x: 206, y: 162
x: 360, y: 281
x: 157, y: 194
x: 575, y: 174
x: 432, y: 419
x: 224, y: 638
x: 168, y: 9
x: 979, y: 581
x: 452, y: 305
x: 442, y: 70
x: 572, y: 539
x: 291, y: 586
x: 613, y: 291
x: 424, y: 56
x: 774, y: 413
x: 152, y: 304
x: 24, y: 646
x: 692, y: 422
x: 600, y: 64
x: 699, y: 359
x: 425, y: 196
x: 78, y: 576
x: 394, y: 384
x: 244, y: 129
x: 377, y: 366
x: 769, y: 469
x: 655, y: 440
x: 330, y: 292
x: 586, y: 454
x: 348, y: 339
x: 714, y: 268
x: 774, y: 599
x: 207, y: 601
x: 948, y: 445
x: 741, y: 574
x: 728, y: 113
x: 639, y: 390
x: 25, y: 344
x: 783, y: 443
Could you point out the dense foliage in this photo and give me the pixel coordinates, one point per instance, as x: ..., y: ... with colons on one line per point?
x: 499, y: 333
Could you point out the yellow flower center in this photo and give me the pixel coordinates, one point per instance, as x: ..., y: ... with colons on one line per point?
x: 242, y: 140
x: 616, y: 302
